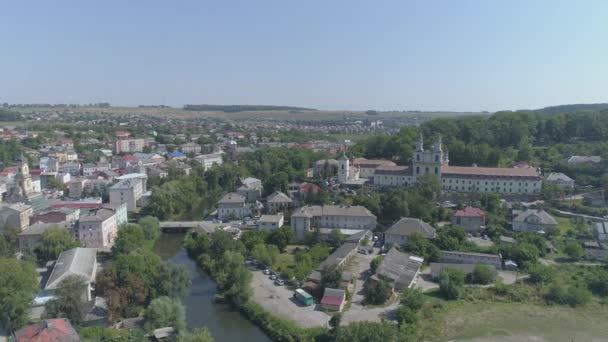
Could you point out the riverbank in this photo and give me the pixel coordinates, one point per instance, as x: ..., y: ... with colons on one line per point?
x: 224, y: 323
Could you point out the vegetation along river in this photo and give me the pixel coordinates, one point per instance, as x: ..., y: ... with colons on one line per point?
x: 201, y: 309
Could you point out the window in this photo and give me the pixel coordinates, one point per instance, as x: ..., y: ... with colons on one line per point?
x: 436, y: 170
x: 418, y: 157
x: 436, y: 157
x: 417, y: 169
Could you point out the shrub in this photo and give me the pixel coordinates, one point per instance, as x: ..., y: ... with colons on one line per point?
x: 375, y: 263
x: 541, y: 274
x: 450, y: 283
x: 482, y: 274
x: 377, y: 292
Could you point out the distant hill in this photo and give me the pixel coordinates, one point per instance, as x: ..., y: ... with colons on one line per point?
x: 571, y: 108
x: 239, y: 108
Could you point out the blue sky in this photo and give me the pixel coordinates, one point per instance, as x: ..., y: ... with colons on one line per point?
x: 401, y: 55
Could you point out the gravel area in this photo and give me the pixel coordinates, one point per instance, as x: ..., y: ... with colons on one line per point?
x: 280, y: 302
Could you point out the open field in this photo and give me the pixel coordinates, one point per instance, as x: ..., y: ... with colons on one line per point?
x: 479, y: 321
x: 287, y: 115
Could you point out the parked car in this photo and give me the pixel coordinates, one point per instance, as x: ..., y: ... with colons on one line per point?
x: 363, y: 251
x: 273, y: 277
x: 279, y: 282
x: 266, y: 271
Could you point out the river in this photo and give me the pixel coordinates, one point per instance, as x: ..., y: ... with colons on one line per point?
x: 201, y: 309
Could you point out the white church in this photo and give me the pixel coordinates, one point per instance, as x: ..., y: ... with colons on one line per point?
x: 509, y: 181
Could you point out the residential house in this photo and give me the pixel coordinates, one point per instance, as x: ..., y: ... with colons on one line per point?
x: 400, y: 269
x: 560, y: 180
x: 400, y: 231
x: 48, y: 330
x: 472, y: 219
x: 98, y: 228
x: 74, y: 169
x: 300, y: 191
x: 452, y: 257
x: 310, y: 218
x: 270, y: 222
x: 233, y: 206
x: 77, y: 261
x: 278, y: 202
x: 533, y: 220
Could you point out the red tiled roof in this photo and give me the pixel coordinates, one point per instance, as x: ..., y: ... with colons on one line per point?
x: 332, y: 300
x: 35, y: 171
x: 489, y: 171
x: 49, y: 330
x: 470, y: 212
x: 129, y: 157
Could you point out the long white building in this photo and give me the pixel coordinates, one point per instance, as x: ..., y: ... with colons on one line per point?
x: 508, y: 181
x: 346, y: 218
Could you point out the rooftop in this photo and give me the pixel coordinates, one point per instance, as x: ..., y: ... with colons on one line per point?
x: 543, y: 216
x: 232, y: 198
x: 408, y: 226
x: 76, y: 261
x: 469, y: 211
x: 332, y: 210
x: 489, y: 171
x: 278, y: 197
x: 48, y: 330
x: 399, y: 267
x: 97, y: 215
x: 270, y: 218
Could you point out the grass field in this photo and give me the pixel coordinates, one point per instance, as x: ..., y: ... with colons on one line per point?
x: 479, y: 321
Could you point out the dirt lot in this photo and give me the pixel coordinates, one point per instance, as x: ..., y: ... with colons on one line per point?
x: 280, y: 302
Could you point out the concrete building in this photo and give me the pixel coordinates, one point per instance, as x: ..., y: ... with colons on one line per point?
x: 81, y: 262
x: 128, y: 191
x: 233, y: 206
x: 208, y: 160
x: 15, y: 216
x: 190, y: 148
x: 120, y: 211
x: 76, y: 187
x: 30, y: 238
x: 325, y: 167
x: 472, y: 219
x: 400, y: 231
x: 450, y: 257
x: 309, y: 218
x: 74, y: 169
x: 533, y: 220
x: 98, y: 229
x: 434, y: 161
x: 130, y: 145
x: 270, y: 222
x: 278, y: 202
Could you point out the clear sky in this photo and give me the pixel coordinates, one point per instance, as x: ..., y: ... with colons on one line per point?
x: 328, y: 54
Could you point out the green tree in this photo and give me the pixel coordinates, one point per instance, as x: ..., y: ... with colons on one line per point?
x: 130, y: 237
x: 428, y: 186
x: 18, y: 284
x: 482, y: 274
x: 280, y: 237
x: 336, y: 238
x: 173, y: 281
x: 450, y: 283
x: 70, y: 300
x: 375, y: 263
x: 574, y: 251
x: 412, y: 298
x: 266, y: 254
x: 331, y: 277
x: 540, y: 274
x: 165, y: 312
x: 417, y: 244
x: 377, y: 292
x: 54, y: 241
x: 150, y: 227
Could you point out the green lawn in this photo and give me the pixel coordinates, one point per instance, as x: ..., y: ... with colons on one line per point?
x: 284, y: 262
x: 485, y: 321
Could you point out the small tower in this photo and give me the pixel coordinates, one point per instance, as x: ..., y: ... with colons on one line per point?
x: 343, y: 168
x: 23, y: 177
